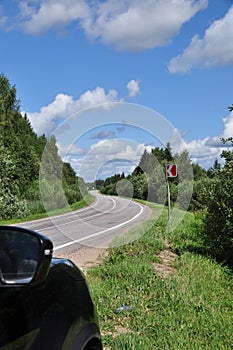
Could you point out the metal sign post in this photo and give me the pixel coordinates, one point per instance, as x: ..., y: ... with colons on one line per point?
x: 171, y: 171
x: 168, y: 198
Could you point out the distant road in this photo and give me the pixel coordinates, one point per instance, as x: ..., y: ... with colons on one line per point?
x: 94, y: 226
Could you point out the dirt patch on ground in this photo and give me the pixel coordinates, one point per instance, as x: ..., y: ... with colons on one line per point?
x: 85, y: 257
x: 166, y: 268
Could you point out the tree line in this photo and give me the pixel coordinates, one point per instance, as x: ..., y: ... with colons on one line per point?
x: 148, y: 180
x: 21, y: 150
x: 211, y: 192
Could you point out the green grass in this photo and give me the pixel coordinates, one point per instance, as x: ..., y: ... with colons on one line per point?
x: 79, y: 205
x: 192, y: 309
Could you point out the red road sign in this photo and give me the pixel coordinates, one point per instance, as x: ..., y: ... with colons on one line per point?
x: 171, y: 170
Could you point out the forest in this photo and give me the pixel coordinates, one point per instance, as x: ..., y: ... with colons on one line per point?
x: 21, y: 151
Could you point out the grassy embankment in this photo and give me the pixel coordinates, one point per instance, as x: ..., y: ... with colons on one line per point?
x: 76, y: 206
x: 190, y: 309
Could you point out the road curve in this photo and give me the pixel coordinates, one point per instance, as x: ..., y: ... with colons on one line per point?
x: 94, y: 226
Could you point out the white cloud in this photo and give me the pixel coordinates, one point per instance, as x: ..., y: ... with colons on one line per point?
x: 132, y: 25
x: 214, y: 49
x: 3, y: 19
x: 64, y: 106
x: 50, y: 14
x: 133, y: 88
x: 206, y: 151
x: 72, y: 154
x: 138, y: 25
x: 228, y: 126
x: 202, y: 153
x: 108, y: 157
x: 71, y: 151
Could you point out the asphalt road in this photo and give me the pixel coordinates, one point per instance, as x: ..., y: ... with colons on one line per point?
x: 94, y: 226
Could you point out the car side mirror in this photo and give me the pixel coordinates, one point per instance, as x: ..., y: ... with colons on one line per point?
x: 25, y: 256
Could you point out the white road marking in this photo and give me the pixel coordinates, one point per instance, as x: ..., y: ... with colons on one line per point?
x: 80, y: 219
x: 66, y: 214
x: 101, y: 232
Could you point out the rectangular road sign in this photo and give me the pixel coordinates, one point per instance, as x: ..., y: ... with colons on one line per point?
x: 171, y: 170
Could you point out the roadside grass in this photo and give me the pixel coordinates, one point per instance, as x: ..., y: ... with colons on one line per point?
x: 75, y: 206
x: 191, y: 309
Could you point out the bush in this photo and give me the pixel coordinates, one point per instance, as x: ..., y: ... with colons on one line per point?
x: 11, y: 206
x: 219, y: 218
x: 203, y: 190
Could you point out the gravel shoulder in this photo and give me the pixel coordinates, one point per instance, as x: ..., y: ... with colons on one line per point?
x: 85, y: 257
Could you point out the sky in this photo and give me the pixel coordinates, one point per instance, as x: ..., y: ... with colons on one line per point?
x: 111, y: 78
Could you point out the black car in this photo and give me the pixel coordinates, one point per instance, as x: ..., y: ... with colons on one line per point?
x: 44, y: 302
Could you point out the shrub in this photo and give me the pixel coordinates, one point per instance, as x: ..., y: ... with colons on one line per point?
x: 219, y: 218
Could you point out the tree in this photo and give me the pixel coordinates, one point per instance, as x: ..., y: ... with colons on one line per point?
x: 168, y: 153
x: 8, y: 101
x: 18, y: 137
x: 213, y: 171
x: 219, y: 218
x: 157, y: 188
x: 25, y: 150
x: 184, y: 166
x: 51, y: 187
x: 198, y: 172
x: 140, y: 186
x: 10, y: 203
x: 146, y: 163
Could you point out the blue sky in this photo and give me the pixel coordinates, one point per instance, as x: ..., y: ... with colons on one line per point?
x: 174, y: 57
